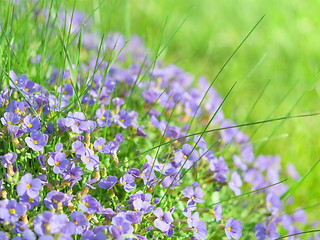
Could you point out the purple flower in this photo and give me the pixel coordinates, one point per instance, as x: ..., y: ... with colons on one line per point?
x: 233, y: 229
x: 100, y: 145
x: 48, y: 223
x: 119, y: 138
x: 117, y: 102
x: 194, y: 195
x: 127, y: 181
x: 200, y: 230
x: 220, y: 169
x: 29, y: 202
x: 293, y: 172
x: 59, y: 162
x: 37, y: 140
x: 187, y: 155
x: 29, y: 186
x: 90, y: 159
x: 15, y: 210
x: 123, y: 119
x: 120, y: 226
x: 141, y: 133
x: 191, y: 219
x: 89, y: 204
x: 78, y: 148
x: 9, y: 119
x: 74, y: 120
x: 8, y: 159
x: 72, y: 174
x: 273, y: 202
x: 53, y: 198
x: 227, y: 135
x: 104, y: 117
x: 108, y: 183
x: 217, y: 212
x: 262, y: 232
x: 31, y: 124
x: 20, y: 227
x: 15, y: 107
x: 235, y: 183
x: 80, y: 221
x: 163, y: 219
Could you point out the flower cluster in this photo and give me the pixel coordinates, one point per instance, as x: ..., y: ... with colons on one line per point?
x: 109, y: 153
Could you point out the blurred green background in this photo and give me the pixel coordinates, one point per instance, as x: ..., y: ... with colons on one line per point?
x: 284, y: 49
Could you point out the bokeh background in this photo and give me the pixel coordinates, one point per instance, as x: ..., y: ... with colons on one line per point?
x: 276, y: 69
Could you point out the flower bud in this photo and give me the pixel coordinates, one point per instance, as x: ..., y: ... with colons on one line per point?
x: 4, y: 194
x: 97, y: 174
x: 116, y: 160
x: 24, y: 219
x: 104, y: 172
x: 59, y: 207
x: 49, y: 186
x: 71, y: 207
x: 221, y: 227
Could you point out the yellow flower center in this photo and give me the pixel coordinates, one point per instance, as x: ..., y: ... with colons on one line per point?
x: 16, y: 110
x: 75, y: 223
x: 56, y: 163
x: 9, y: 122
x: 71, y: 175
x: 16, y: 82
x: 99, y: 147
x: 122, y: 120
x: 77, y: 123
x: 87, y: 159
x: 87, y: 204
x: 192, y: 197
x: 185, y: 156
x: 21, y: 228
x: 29, y: 125
x: 119, y: 227
x: 124, y: 182
x: 229, y: 229
x: 12, y: 211
x: 55, y: 201
x: 26, y: 89
x: 31, y: 200
x: 28, y: 186
x: 270, y: 204
x: 102, y: 118
x: 35, y: 142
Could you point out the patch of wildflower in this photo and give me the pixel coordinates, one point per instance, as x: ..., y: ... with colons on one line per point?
x: 90, y: 172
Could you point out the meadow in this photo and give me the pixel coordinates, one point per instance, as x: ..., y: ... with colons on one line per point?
x: 129, y: 121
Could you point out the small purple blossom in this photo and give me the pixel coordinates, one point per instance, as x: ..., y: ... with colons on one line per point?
x: 262, y: 232
x: 29, y: 186
x: 37, y: 140
x: 273, y: 202
x: 89, y: 204
x: 8, y: 159
x: 108, y: 183
x: 235, y: 183
x: 194, y: 195
x: 233, y: 229
x: 164, y: 219
x: 127, y: 181
x: 104, y: 117
x: 123, y: 119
